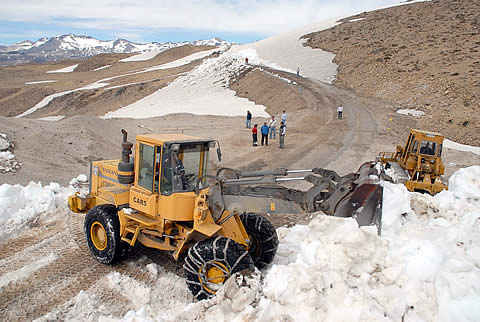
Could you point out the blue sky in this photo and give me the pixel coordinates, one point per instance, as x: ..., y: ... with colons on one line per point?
x: 166, y: 20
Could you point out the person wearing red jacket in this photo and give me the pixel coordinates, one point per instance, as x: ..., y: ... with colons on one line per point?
x: 254, y: 135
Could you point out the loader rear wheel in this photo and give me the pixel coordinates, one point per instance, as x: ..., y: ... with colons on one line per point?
x: 263, y: 238
x: 102, y: 231
x: 209, y: 263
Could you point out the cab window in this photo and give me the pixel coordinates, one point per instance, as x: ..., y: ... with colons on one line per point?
x: 415, y: 147
x: 440, y: 150
x: 182, y: 166
x: 146, y: 169
x: 428, y: 148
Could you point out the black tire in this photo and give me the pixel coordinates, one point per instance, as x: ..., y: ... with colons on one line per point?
x: 263, y: 238
x: 102, y: 231
x: 209, y: 258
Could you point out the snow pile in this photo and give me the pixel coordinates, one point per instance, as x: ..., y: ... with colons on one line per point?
x: 425, y: 266
x: 411, y: 112
x: 20, y: 205
x: 7, y: 158
x: 195, y: 91
x: 67, y: 69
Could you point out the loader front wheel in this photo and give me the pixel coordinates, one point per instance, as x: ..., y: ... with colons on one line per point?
x: 209, y: 263
x: 102, y: 231
x: 263, y: 238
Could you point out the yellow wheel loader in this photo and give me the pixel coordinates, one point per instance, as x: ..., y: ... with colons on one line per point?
x: 418, y: 164
x: 162, y: 199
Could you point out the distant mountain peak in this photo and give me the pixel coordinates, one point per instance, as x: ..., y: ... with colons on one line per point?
x: 71, y: 46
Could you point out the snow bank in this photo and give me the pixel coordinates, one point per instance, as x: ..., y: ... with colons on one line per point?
x: 21, y: 204
x: 68, y: 69
x: 425, y: 266
x: 203, y: 91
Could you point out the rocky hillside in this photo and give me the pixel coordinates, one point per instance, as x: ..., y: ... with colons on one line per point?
x: 422, y: 56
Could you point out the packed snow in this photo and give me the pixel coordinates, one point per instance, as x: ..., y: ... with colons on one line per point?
x: 410, y: 112
x: 67, y: 69
x: 424, y: 267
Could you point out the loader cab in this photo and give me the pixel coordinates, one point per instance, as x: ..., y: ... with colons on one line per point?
x: 169, y: 168
x: 423, y: 151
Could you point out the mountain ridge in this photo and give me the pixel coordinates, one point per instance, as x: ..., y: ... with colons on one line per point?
x: 70, y: 46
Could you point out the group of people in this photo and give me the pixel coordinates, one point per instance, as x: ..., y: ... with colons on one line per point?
x: 268, y: 130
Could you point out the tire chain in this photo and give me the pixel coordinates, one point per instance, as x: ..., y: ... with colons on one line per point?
x: 50, y: 287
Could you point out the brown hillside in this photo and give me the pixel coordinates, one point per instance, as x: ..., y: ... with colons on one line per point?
x: 423, y: 56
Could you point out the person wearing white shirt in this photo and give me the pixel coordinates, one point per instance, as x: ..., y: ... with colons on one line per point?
x: 284, y: 117
x: 340, y: 111
x: 273, y: 127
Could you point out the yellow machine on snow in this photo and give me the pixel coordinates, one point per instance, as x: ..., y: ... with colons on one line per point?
x: 418, y: 164
x: 160, y: 200
x: 163, y: 200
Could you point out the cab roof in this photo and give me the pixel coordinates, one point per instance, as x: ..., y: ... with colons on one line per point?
x: 426, y: 132
x: 160, y: 139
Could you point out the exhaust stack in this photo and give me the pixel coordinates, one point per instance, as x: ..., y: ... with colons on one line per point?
x: 126, y: 174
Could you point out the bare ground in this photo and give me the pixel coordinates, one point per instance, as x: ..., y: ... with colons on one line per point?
x: 429, y: 61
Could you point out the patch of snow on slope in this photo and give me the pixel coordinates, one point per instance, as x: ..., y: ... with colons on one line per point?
x: 100, y: 68
x: 52, y: 118
x: 141, y: 57
x: 194, y: 93
x: 68, y: 69
x: 461, y: 147
x: 410, y: 112
x: 40, y: 82
x: 286, y: 52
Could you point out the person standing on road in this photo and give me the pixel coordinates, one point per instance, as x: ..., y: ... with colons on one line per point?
x: 284, y: 117
x: 249, y: 119
x: 281, y: 134
x: 264, y: 131
x: 340, y: 111
x: 298, y: 71
x: 273, y: 128
x: 254, y: 135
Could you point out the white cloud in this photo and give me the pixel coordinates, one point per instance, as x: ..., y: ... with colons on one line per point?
x: 267, y: 17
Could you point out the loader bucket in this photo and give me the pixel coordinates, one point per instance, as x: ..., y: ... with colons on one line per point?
x: 364, y: 204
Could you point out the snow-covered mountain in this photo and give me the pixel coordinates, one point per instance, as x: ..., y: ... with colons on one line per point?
x: 73, y: 46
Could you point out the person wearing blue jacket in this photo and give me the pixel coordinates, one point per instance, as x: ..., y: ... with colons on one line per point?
x: 265, y: 129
